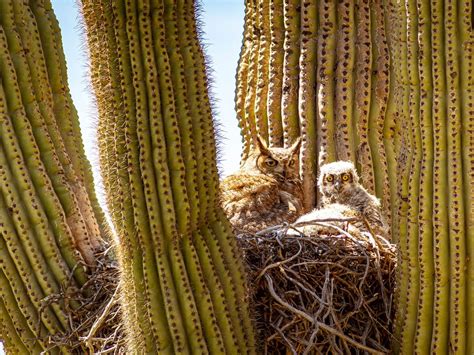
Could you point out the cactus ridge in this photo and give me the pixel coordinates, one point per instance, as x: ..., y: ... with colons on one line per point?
x: 49, y: 215
x: 394, y: 91
x: 169, y: 140
x: 424, y: 326
x: 307, y: 104
x: 275, y: 68
x: 242, y: 78
x: 467, y: 132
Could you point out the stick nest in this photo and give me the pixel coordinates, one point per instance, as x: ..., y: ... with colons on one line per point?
x: 94, y: 312
x: 327, y: 294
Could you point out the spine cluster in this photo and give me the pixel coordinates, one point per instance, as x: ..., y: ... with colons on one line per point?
x: 183, y: 283
x: 50, y: 222
x: 388, y: 85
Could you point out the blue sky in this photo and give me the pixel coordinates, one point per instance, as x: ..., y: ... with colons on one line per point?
x: 223, y: 25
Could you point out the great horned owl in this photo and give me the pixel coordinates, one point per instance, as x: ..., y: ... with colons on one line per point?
x: 266, y: 191
x: 329, y: 212
x: 339, y: 183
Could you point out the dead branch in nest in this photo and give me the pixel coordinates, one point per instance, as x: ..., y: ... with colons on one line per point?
x: 94, y: 312
x: 323, y: 293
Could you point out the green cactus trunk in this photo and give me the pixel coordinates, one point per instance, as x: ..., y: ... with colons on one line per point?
x: 388, y: 85
x: 183, y: 283
x: 51, y: 225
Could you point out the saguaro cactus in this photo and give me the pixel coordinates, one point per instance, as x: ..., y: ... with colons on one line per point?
x: 389, y: 85
x: 182, y: 282
x: 50, y: 222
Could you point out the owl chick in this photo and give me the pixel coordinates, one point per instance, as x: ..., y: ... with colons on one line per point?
x: 266, y: 191
x: 331, y: 211
x: 339, y: 183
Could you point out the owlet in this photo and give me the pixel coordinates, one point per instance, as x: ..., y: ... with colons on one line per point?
x: 339, y: 183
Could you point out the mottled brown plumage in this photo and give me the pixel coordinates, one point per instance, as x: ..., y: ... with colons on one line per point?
x: 266, y: 191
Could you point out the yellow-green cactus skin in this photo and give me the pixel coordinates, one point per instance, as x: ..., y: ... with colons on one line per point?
x: 51, y: 225
x: 183, y: 283
x: 388, y: 85
x: 385, y: 83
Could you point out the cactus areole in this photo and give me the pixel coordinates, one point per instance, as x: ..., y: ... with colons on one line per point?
x: 388, y: 85
x: 383, y: 83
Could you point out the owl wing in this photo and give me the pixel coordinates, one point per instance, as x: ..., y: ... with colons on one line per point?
x: 253, y: 202
x: 247, y: 192
x: 373, y: 214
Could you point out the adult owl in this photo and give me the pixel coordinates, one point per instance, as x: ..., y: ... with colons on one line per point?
x: 266, y: 191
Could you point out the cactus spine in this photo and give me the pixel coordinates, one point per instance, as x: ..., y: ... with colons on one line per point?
x: 183, y: 284
x: 50, y: 223
x: 394, y: 92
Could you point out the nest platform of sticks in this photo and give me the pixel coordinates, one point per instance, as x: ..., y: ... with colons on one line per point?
x: 321, y: 294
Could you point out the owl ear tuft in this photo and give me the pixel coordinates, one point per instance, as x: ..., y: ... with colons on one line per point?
x: 262, y: 145
x: 295, y: 148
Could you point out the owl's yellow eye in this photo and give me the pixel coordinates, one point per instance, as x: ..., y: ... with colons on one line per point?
x: 345, y: 177
x: 329, y: 178
x: 271, y: 162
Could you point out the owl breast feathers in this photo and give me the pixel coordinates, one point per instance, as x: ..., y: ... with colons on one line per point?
x: 266, y: 191
x: 339, y: 183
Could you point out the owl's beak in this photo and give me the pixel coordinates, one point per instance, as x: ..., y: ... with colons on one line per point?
x: 337, y: 186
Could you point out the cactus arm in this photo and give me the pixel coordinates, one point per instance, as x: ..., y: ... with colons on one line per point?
x: 183, y: 113
x: 218, y: 330
x: 13, y: 85
x: 467, y: 89
x: 307, y: 101
x: 455, y: 202
x: 249, y: 103
x: 291, y: 47
x: 325, y: 81
x: 177, y: 170
x: 242, y: 77
x: 412, y: 243
x: 275, y: 62
x: 262, y: 71
x: 9, y: 333
x: 13, y: 203
x: 218, y: 297
x: 363, y: 94
x: 164, y: 88
x: 64, y: 109
x: 34, y: 218
x: 424, y: 325
x: 378, y: 104
x: 58, y: 224
x: 229, y: 268
x: 404, y: 160
x: 440, y: 338
x: 380, y: 99
x: 221, y: 242
x: 205, y: 304
x: 126, y: 203
x: 345, y: 53
x: 152, y: 156
x: 18, y: 273
x: 68, y: 145
x: 392, y: 124
x: 23, y: 327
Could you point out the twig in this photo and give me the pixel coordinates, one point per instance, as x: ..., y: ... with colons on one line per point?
x: 319, y: 324
x: 98, y: 323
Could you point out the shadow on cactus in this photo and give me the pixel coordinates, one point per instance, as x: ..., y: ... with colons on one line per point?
x: 386, y: 85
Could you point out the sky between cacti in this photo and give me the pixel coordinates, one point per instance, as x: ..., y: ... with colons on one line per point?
x: 223, y: 25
